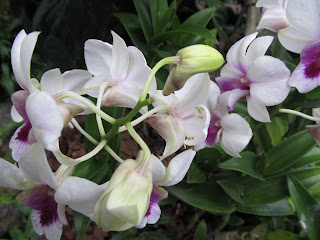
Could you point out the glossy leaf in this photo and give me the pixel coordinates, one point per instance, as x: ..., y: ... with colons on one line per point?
x: 288, y: 152
x: 196, y: 175
x: 245, y: 164
x: 81, y: 223
x: 307, y: 208
x: 309, y: 177
x: 234, y: 188
x: 201, y: 231
x: 202, y: 17
x: 279, y: 208
x: 168, y: 18
x: 143, y: 10
x: 311, y: 157
x: 276, y: 129
x: 209, y: 197
x: 158, y: 8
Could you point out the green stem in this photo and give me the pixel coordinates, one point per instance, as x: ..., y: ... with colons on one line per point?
x: 94, y: 152
x: 161, y: 63
x: 283, y: 110
x: 83, y: 132
x: 102, y: 90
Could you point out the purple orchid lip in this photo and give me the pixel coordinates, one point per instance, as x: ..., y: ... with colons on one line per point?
x: 213, y: 130
x: 24, y: 132
x: 41, y: 199
x: 310, y: 58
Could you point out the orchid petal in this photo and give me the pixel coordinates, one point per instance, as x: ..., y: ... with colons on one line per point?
x: 19, y: 99
x: 273, y: 19
x: 227, y: 100
x: 12, y: 177
x: 194, y: 92
x: 257, y: 110
x: 178, y: 167
x: 45, y: 117
x: 258, y: 48
x: 236, y: 134
x: 269, y: 85
x: 98, y: 57
x: 156, y: 168
x: 214, y: 92
x: 19, y: 141
x: 92, y: 86
x: 80, y: 194
x: 230, y: 72
x: 35, y: 165
x: 120, y: 58
x: 15, y: 115
x: 270, y: 3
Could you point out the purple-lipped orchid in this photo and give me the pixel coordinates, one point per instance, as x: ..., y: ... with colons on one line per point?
x: 231, y: 130
x: 39, y: 185
x: 273, y: 15
x: 182, y: 119
x: 248, y: 72
x: 43, y: 116
x: 165, y: 176
x: 120, y: 70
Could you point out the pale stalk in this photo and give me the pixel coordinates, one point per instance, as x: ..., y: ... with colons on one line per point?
x: 161, y: 63
x: 88, y: 103
x: 162, y: 108
x: 146, y: 151
x: 283, y: 110
x: 102, y: 89
x: 113, y: 154
x: 94, y: 152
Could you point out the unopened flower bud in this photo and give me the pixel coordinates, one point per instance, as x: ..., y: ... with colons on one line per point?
x: 126, y: 199
x: 193, y: 59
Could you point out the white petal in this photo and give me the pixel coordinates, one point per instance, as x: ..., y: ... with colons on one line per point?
x: 304, y: 15
x: 229, y: 71
x: 160, y: 99
x: 257, y: 110
x: 273, y: 19
x: 227, y: 100
x: 236, y: 134
x: 157, y: 169
x: 51, y: 81
x: 178, y: 168
x: 98, y: 57
x: 35, y: 165
x: 12, y: 177
x: 269, y: 84
x: 45, y: 117
x: 214, y: 92
x: 270, y: 3
x: 196, y: 126
x: 74, y: 80
x: 80, y: 194
x: 120, y: 58
x: 295, y: 39
x: 258, y: 48
x: 15, y: 115
x: 194, y: 92
x: 92, y: 86
x: 18, y: 145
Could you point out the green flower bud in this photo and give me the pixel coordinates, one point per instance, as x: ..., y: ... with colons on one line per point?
x: 193, y: 59
x: 126, y: 198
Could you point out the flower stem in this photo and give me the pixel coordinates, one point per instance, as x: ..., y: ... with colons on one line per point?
x: 289, y: 111
x: 102, y: 90
x: 83, y: 132
x: 161, y: 63
x: 113, y: 154
x: 94, y: 152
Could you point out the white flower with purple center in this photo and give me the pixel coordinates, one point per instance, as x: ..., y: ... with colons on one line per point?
x: 262, y: 79
x: 181, y: 117
x: 122, y: 71
x: 231, y: 130
x: 43, y: 117
x: 273, y: 15
x: 165, y: 176
x: 39, y: 184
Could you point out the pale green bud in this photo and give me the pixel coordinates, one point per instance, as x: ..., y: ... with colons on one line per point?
x: 126, y: 198
x: 193, y: 59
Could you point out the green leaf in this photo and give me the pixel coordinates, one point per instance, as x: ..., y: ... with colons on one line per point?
x: 235, y: 220
x: 309, y: 177
x: 202, y: 17
x: 279, y: 208
x: 143, y: 10
x: 281, y: 234
x: 311, y: 157
x: 133, y: 27
x: 209, y: 197
x: 245, y: 164
x: 307, y: 208
x: 158, y: 9
x: 125, y: 235
x: 17, y: 234
x: 81, y: 223
x: 196, y: 175
x: 276, y: 129
x: 168, y: 18
x: 193, y: 29
x: 234, y: 188
x: 288, y: 152
x: 201, y: 231
x: 153, y: 236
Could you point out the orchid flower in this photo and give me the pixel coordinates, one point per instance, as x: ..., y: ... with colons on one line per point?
x: 273, y: 15
x: 263, y: 79
x: 231, y: 130
x: 39, y: 184
x: 182, y: 119
x: 44, y: 118
x: 122, y: 70
x: 165, y: 176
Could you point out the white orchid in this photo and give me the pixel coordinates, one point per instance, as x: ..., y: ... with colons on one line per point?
x: 230, y: 129
x: 122, y: 70
x: 44, y: 118
x: 39, y: 185
x: 182, y: 119
x: 263, y: 79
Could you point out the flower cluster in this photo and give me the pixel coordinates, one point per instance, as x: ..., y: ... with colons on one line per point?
x: 192, y: 110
